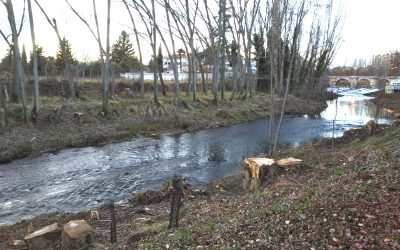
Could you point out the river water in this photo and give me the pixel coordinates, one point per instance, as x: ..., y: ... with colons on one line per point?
x: 81, y: 178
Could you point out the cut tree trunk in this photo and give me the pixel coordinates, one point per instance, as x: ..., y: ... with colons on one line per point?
x: 43, y: 238
x: 254, y: 171
x: 76, y: 235
x: 257, y: 171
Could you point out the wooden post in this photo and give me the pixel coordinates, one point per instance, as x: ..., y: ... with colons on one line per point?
x: 113, y: 223
x: 2, y: 118
x: 175, y: 201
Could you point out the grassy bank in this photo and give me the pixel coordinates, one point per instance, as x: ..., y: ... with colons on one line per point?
x: 65, y: 123
x: 342, y: 198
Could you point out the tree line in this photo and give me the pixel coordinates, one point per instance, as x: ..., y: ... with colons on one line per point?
x: 381, y: 65
x: 292, y: 44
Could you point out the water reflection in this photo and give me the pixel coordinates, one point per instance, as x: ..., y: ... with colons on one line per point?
x: 354, y: 109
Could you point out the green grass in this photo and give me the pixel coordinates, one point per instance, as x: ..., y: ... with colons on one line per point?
x: 207, y: 225
x: 133, y: 129
x: 303, y: 207
x: 378, y: 140
x: 280, y: 208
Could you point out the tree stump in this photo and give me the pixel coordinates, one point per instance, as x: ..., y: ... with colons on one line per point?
x: 256, y: 171
x: 43, y: 238
x: 76, y: 234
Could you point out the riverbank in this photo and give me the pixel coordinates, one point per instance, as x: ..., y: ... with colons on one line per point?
x: 389, y: 101
x: 346, y: 197
x: 65, y: 123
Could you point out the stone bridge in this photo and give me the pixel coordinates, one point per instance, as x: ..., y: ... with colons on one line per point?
x: 362, y: 81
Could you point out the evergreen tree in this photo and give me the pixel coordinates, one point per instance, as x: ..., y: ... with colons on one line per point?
x: 123, y: 53
x: 42, y: 60
x: 262, y: 62
x: 60, y: 62
x: 160, y: 59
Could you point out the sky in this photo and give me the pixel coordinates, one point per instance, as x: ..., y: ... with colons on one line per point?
x: 369, y: 28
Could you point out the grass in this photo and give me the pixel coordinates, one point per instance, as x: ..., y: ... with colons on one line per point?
x: 133, y: 129
x: 303, y: 207
x: 280, y: 208
x: 207, y: 225
x: 378, y: 140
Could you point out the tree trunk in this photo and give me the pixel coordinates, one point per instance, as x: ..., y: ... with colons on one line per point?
x: 162, y: 83
x: 106, y: 73
x: 17, y: 57
x: 141, y: 78
x: 155, y: 95
x: 36, y: 106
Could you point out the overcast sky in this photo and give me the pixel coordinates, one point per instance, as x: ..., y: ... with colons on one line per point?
x: 369, y: 28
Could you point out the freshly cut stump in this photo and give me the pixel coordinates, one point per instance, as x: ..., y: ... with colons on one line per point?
x: 43, y: 238
x: 76, y: 234
x: 255, y: 170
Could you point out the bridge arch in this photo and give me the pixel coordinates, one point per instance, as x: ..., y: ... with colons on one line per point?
x: 343, y: 82
x: 363, y: 82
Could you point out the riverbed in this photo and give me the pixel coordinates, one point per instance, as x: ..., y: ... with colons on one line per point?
x: 79, y: 179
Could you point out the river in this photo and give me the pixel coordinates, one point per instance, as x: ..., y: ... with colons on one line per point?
x: 81, y: 178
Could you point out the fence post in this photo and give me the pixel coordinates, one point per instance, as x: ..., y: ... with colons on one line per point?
x: 113, y: 223
x: 175, y: 201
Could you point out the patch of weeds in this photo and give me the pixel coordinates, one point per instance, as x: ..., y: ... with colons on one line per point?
x: 377, y: 140
x: 135, y: 128
x: 207, y: 225
x: 303, y: 207
x: 280, y: 208
x: 338, y: 172
x: 183, y: 211
x: 184, y: 236
x: 352, y: 213
x: 16, y: 112
x: 285, y: 191
x: 257, y: 194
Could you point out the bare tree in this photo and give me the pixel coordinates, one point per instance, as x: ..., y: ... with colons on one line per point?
x: 141, y: 78
x: 17, y: 56
x: 104, y: 54
x: 36, y: 106
x: 73, y: 91
x: 191, y: 22
x: 294, y: 45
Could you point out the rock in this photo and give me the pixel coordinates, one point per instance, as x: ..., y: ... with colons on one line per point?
x: 43, y: 238
x: 143, y: 220
x: 76, y: 234
x: 19, y: 243
x: 94, y: 215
